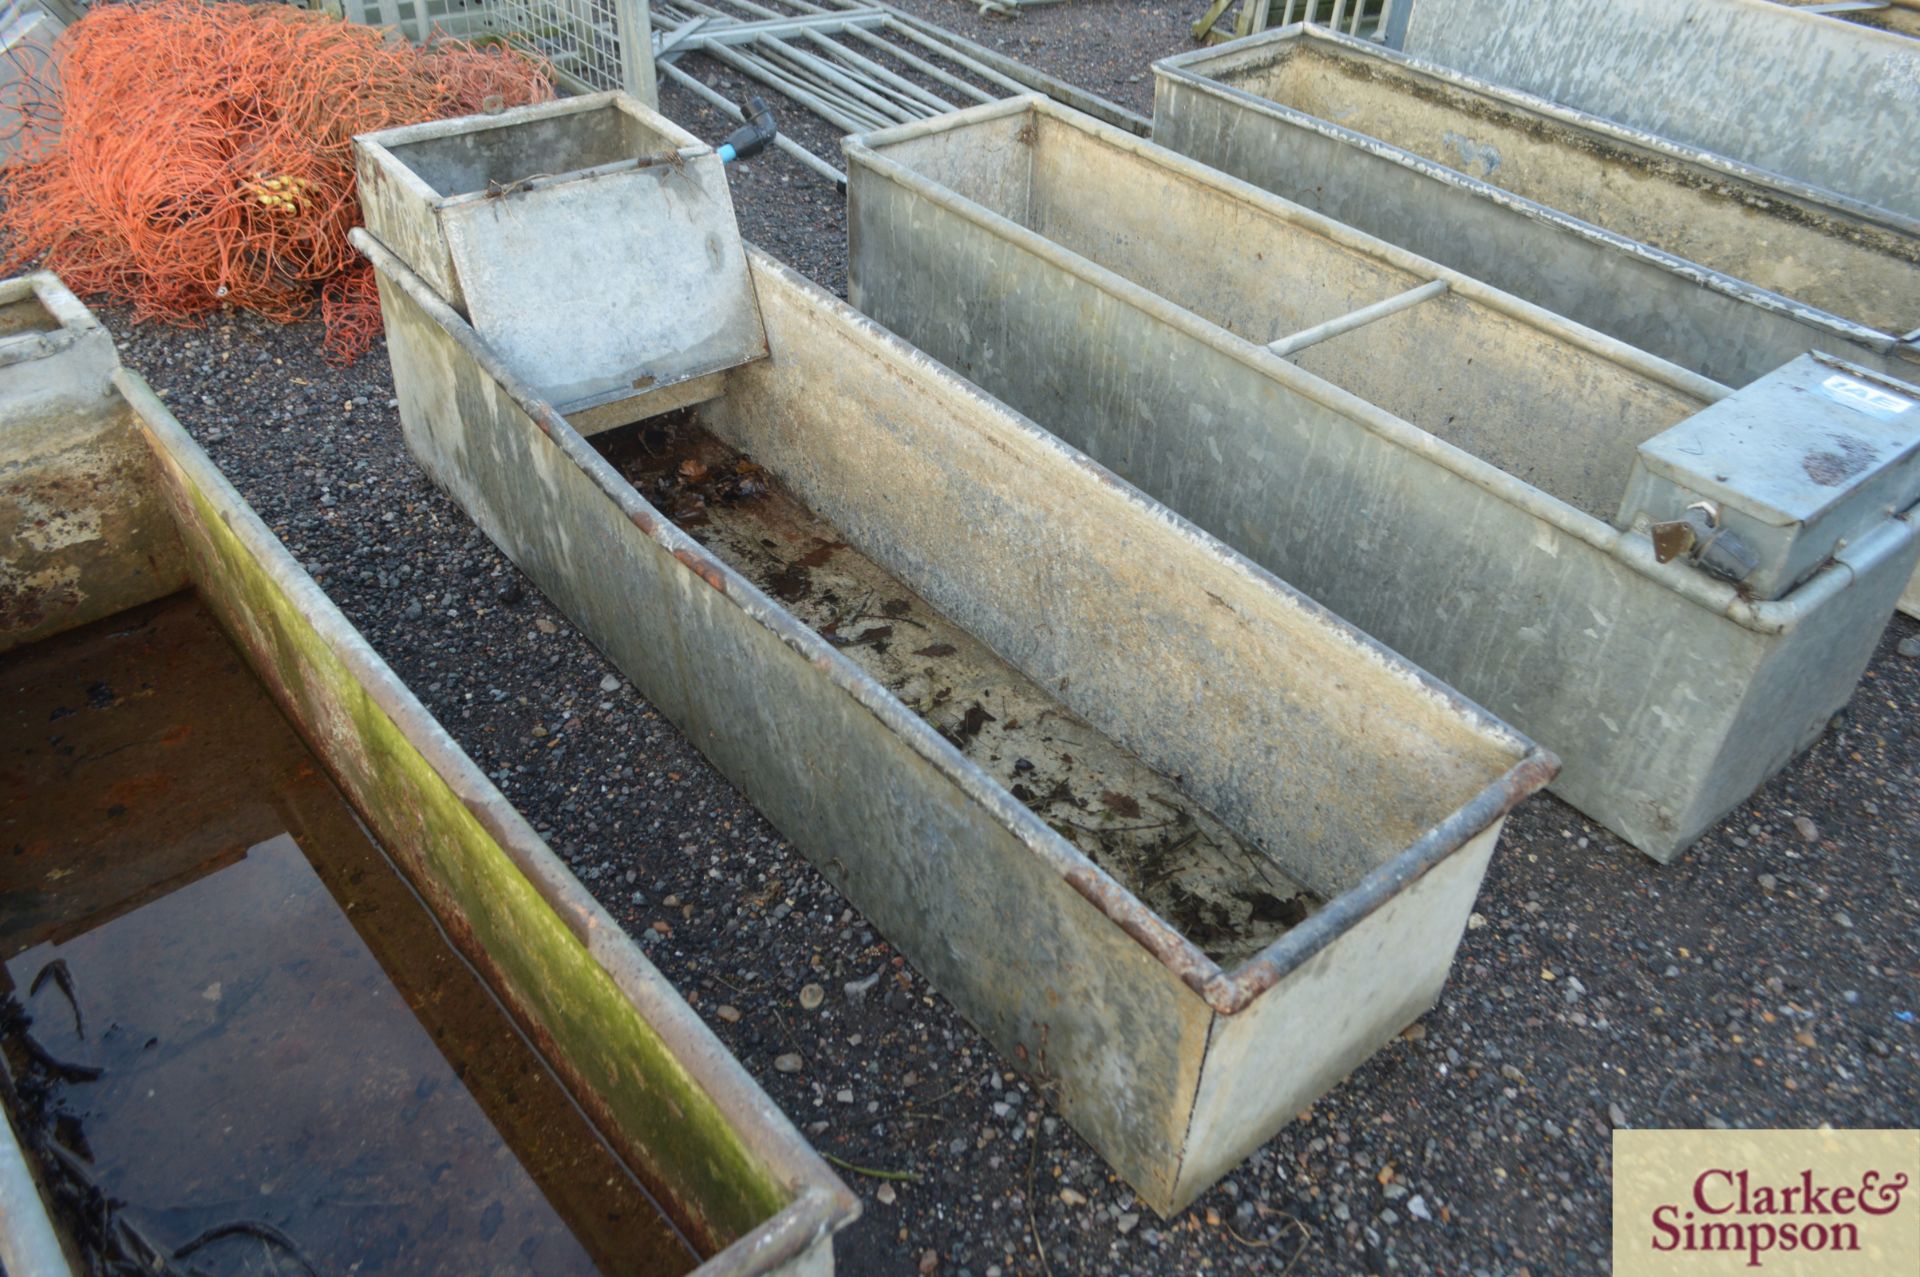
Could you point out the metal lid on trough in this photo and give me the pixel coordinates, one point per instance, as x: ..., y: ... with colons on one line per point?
x: 590, y: 241
x: 1791, y: 467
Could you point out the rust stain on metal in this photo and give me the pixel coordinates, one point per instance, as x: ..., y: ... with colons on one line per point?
x: 1527, y: 777
x: 1195, y: 970
x: 1830, y: 469
x: 703, y: 567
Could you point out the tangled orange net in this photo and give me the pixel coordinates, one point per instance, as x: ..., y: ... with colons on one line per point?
x: 182, y: 156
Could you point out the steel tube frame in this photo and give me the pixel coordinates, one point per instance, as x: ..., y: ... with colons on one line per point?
x: 721, y: 103
x: 922, y: 65
x: 927, y: 98
x: 780, y: 81
x: 874, y: 95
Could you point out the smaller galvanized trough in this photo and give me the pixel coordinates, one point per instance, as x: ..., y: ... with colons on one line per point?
x: 107, y: 504
x: 1312, y: 807
x: 592, y: 241
x: 1713, y: 264
x: 1463, y: 475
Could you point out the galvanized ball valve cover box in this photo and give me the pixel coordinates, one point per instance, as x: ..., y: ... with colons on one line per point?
x: 1182, y: 844
x: 591, y: 239
x: 1796, y: 466
x: 1435, y: 460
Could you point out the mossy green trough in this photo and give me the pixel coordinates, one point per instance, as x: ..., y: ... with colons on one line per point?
x: 110, y: 504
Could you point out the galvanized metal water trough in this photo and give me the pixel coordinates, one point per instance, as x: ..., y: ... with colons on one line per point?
x: 105, y: 504
x: 1781, y: 88
x: 1340, y: 766
x: 1713, y: 264
x: 1718, y: 266
x: 1432, y: 459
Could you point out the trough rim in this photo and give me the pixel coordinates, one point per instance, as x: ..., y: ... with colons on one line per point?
x: 1225, y: 993
x: 1188, y: 70
x: 1631, y: 547
x: 378, y: 146
x: 819, y: 1203
x: 74, y: 320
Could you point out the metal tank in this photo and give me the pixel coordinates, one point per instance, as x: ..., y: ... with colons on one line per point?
x: 1313, y: 815
x: 1454, y: 470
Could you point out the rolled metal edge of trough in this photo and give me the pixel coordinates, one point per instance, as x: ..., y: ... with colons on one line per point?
x: 422, y: 796
x: 1225, y: 993
x: 1671, y: 814
x: 1190, y: 72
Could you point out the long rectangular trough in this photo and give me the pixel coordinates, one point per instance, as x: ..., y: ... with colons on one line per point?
x: 1183, y: 845
x: 1455, y: 471
x: 108, y: 512
x: 1720, y: 267
x: 1781, y: 88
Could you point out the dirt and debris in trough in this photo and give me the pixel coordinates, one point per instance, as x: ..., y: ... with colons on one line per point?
x: 1768, y: 978
x: 1216, y: 887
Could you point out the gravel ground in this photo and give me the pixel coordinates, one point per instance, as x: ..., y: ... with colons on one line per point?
x: 1767, y: 979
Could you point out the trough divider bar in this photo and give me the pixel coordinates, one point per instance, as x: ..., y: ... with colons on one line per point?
x: 1357, y: 318
x: 758, y: 1124
x: 1632, y: 548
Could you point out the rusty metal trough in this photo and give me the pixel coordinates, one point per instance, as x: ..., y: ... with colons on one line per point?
x: 106, y: 504
x: 1311, y: 754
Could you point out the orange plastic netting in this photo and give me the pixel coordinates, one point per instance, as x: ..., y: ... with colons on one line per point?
x: 181, y: 156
